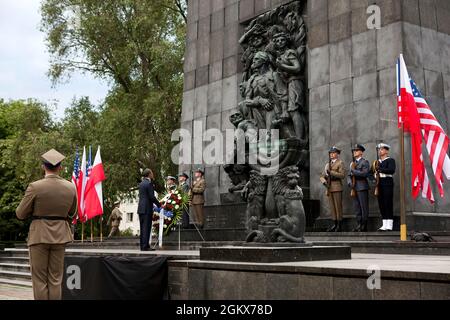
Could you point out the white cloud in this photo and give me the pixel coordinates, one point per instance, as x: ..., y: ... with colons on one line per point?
x: 24, y: 61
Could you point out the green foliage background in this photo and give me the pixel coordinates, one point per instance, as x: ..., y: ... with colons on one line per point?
x: 138, y: 47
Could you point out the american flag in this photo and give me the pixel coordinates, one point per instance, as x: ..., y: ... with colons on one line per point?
x: 436, y: 141
x: 76, y: 169
x: 89, y: 164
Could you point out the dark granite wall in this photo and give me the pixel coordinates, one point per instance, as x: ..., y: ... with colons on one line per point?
x: 351, y: 77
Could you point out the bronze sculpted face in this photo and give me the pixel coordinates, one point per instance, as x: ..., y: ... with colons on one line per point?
x: 280, y: 41
x: 236, y: 118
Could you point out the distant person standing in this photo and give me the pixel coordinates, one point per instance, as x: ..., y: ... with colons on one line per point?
x: 198, y: 198
x: 184, y: 187
x: 331, y: 177
x: 145, y: 208
x: 50, y: 203
x: 114, y: 220
x: 171, y: 183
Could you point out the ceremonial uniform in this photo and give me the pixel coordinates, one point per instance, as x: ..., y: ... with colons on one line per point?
x: 386, y: 169
x: 114, y: 222
x: 361, y: 172
x: 184, y: 186
x: 332, y: 178
x: 50, y: 203
x: 198, y: 200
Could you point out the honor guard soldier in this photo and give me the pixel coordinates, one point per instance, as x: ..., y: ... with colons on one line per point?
x: 198, y: 198
x: 184, y: 186
x: 331, y: 177
x: 384, y: 169
x: 114, y: 220
x: 51, y: 203
x: 357, y: 181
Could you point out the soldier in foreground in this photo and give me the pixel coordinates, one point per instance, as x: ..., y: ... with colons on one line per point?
x: 51, y: 203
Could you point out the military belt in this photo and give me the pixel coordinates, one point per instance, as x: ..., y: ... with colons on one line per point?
x: 49, y: 218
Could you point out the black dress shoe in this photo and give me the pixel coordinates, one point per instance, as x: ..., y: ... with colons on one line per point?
x: 357, y: 229
x: 338, y: 227
x: 364, y: 228
x: 332, y: 228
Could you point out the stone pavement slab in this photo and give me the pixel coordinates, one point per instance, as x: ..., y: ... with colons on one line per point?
x: 9, y: 292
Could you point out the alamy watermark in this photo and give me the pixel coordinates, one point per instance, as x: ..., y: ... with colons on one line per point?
x: 232, y: 146
x: 374, y: 280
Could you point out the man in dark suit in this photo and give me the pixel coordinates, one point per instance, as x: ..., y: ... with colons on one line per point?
x: 357, y: 180
x: 145, y: 208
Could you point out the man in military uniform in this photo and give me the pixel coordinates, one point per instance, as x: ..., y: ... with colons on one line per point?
x: 198, y: 199
x: 51, y: 203
x: 171, y: 183
x: 331, y: 177
x: 114, y: 220
x: 357, y: 180
x: 384, y: 169
x: 184, y: 186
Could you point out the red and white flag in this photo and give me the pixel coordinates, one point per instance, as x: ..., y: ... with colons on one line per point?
x: 409, y: 119
x: 93, y: 196
x: 437, y: 142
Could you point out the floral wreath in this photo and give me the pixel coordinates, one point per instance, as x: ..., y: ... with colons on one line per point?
x: 173, y: 204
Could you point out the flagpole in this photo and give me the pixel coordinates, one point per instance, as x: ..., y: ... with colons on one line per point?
x: 82, y: 232
x: 402, y: 186
x: 101, y: 228
x: 92, y: 237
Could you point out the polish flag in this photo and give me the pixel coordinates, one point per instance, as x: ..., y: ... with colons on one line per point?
x: 409, y: 118
x: 93, y: 194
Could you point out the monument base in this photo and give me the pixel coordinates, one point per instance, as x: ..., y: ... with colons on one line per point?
x: 273, y: 254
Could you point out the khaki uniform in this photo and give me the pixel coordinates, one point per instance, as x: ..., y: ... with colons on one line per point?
x: 198, y: 200
x: 51, y: 197
x: 334, y: 193
x: 114, y: 222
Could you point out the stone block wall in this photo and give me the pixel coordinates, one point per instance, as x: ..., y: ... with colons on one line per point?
x: 351, y: 77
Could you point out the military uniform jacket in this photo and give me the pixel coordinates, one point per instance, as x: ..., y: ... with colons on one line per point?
x: 387, y: 167
x: 361, y: 173
x: 337, y: 174
x: 51, y: 196
x: 115, y: 217
x: 198, y: 188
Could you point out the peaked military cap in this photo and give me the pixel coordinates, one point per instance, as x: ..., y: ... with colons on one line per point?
x: 201, y: 171
x: 53, y: 157
x: 183, y: 175
x: 334, y: 150
x: 358, y: 147
x: 384, y: 146
x: 171, y: 178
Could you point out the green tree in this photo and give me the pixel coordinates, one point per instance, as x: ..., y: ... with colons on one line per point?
x: 26, y: 132
x: 138, y: 46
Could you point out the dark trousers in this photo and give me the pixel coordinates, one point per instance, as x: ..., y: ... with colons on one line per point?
x: 386, y: 201
x: 145, y: 221
x: 361, y: 206
x: 185, y: 220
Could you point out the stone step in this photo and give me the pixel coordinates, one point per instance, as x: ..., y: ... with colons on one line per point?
x: 15, y: 267
x: 15, y: 275
x: 12, y: 259
x: 20, y: 283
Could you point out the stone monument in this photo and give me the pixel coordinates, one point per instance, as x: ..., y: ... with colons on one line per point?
x: 347, y: 78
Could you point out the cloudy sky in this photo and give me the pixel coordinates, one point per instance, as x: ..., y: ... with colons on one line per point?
x: 24, y: 61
